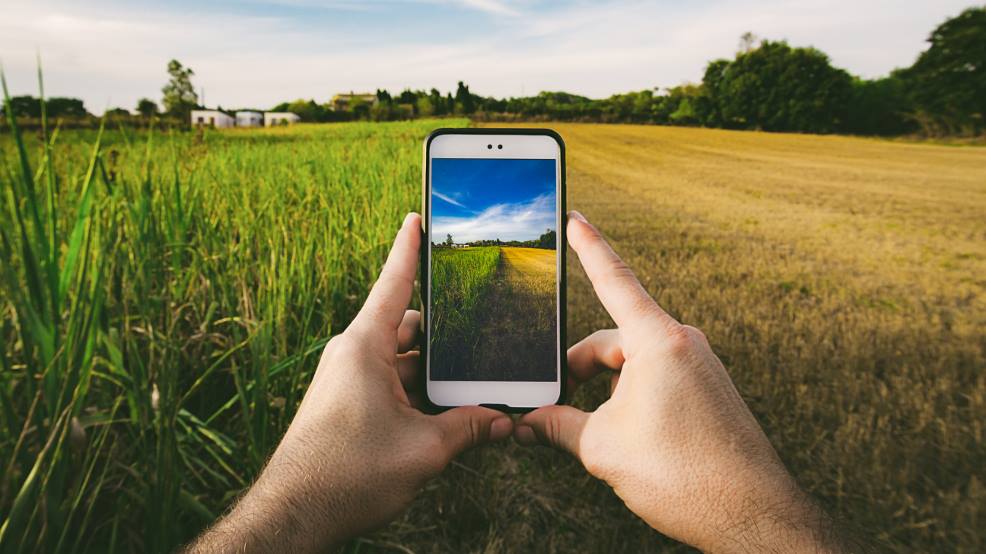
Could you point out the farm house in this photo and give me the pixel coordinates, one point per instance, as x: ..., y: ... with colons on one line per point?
x: 248, y: 118
x: 212, y: 118
x: 343, y: 102
x: 280, y: 118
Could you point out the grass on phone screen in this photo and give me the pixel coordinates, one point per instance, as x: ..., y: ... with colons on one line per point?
x: 461, y: 281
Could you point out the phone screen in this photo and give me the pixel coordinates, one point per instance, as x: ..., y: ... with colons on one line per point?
x: 494, y: 270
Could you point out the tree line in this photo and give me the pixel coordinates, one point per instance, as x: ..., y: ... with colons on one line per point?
x: 546, y: 240
x: 768, y: 85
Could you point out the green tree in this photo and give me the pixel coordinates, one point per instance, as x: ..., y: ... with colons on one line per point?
x: 879, y: 107
x: 437, y: 102
x: 779, y: 88
x: 748, y: 42
x: 712, y: 81
x: 146, y: 107
x: 448, y: 240
x: 948, y: 80
x: 307, y: 110
x: 179, y: 94
x: 685, y: 100
x: 359, y: 108
x: 408, y: 96
x: 464, y: 101
x: 65, y: 107
x: 424, y: 106
x: 57, y: 106
x: 685, y: 114
x: 25, y: 106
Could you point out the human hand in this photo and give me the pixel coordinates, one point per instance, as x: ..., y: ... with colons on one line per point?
x: 674, y: 440
x: 357, y: 451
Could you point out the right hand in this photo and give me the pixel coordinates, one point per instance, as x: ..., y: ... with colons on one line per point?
x: 675, y: 439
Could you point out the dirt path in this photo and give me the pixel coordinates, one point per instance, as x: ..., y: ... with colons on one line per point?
x: 518, y: 333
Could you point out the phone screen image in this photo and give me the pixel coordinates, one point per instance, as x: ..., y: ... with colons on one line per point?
x: 494, y: 270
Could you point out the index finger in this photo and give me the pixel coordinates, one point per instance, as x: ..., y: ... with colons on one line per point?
x: 617, y: 288
x: 391, y: 294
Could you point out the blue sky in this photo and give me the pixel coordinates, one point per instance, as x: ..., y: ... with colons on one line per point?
x: 260, y: 52
x: 476, y: 199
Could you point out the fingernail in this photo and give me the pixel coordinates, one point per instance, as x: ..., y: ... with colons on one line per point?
x: 500, y: 428
x: 575, y: 214
x: 524, y: 435
x: 407, y: 218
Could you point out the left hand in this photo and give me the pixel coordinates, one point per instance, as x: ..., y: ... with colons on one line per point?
x: 357, y: 451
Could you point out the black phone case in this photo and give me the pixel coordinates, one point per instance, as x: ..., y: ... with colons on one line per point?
x: 562, y: 247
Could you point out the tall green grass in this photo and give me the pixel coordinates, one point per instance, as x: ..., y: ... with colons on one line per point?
x: 461, y: 279
x: 163, y: 298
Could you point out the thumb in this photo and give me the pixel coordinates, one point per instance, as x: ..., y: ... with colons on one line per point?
x: 468, y: 426
x: 558, y: 426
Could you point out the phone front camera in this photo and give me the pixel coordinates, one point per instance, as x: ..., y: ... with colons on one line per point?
x: 490, y: 146
x: 500, y: 146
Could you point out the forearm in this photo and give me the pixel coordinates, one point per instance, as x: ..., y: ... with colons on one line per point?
x: 803, y: 531
x: 272, y: 516
x: 788, y: 521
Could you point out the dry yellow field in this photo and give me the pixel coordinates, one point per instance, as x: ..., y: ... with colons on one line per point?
x: 904, y: 222
x: 532, y: 268
x: 842, y: 282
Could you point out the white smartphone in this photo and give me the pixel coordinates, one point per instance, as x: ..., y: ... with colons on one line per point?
x: 493, y: 268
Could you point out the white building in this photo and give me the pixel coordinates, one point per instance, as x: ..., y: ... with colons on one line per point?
x: 247, y: 118
x: 212, y: 118
x: 280, y: 118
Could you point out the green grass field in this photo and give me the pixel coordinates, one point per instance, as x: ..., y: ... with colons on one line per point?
x: 164, y: 297
x: 163, y: 301
x: 461, y: 280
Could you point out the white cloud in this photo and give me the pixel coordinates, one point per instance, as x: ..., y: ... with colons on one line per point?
x: 449, y: 199
x: 491, y: 6
x: 506, y: 222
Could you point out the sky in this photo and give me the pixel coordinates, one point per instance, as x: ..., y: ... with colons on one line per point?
x: 484, y: 199
x: 257, y: 53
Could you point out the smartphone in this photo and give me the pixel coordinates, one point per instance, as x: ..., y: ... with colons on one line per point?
x: 493, y: 268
